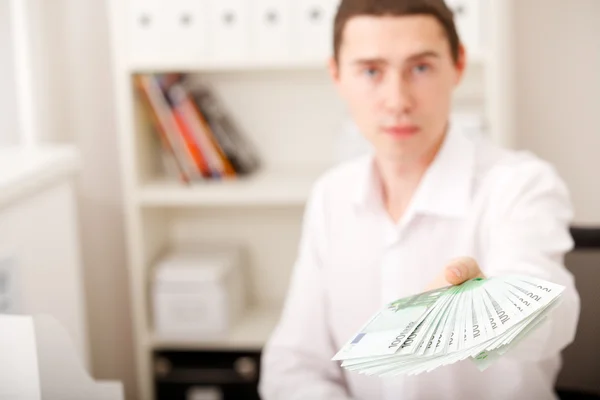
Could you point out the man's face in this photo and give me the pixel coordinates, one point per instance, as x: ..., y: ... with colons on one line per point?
x: 397, y: 75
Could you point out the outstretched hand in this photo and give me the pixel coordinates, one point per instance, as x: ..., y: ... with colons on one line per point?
x: 456, y: 272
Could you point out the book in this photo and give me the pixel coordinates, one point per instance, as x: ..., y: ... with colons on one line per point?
x: 159, y: 117
x: 241, y: 152
x: 195, y: 130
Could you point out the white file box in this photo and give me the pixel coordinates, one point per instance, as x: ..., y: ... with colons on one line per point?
x: 229, y: 27
x: 271, y: 30
x: 144, y: 27
x: 197, y: 293
x: 312, y: 26
x: 467, y: 17
x: 186, y: 31
x: 173, y: 32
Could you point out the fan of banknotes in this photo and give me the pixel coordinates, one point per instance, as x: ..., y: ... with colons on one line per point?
x: 480, y: 319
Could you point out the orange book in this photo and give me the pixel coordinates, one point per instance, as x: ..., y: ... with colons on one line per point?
x: 228, y: 169
x: 166, y: 140
x: 166, y: 114
x: 192, y: 146
x: 198, y: 127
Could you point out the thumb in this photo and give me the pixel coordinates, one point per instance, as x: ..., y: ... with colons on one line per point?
x: 461, y: 270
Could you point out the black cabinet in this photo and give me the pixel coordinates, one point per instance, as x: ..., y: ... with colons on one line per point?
x: 578, y: 378
x: 206, y: 375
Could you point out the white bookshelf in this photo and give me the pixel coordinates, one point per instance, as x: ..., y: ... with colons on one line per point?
x: 267, y: 187
x: 273, y: 81
x: 250, y: 334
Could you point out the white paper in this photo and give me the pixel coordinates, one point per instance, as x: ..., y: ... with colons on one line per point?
x: 19, y: 373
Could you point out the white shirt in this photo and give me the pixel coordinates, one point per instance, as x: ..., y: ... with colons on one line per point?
x: 510, y: 211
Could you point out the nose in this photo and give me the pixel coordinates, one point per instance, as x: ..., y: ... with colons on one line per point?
x: 397, y: 98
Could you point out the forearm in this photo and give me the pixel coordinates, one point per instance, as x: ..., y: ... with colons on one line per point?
x: 528, y: 234
x: 553, y: 334
x: 557, y: 331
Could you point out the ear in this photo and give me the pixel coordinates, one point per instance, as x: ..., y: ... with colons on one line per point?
x: 334, y: 70
x: 461, y: 63
x: 335, y: 74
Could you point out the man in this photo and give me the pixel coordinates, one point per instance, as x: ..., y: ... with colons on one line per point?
x: 426, y: 208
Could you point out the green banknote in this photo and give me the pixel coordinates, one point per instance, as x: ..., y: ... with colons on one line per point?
x: 481, y: 319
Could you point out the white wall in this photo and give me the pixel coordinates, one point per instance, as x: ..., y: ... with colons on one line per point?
x: 558, y: 93
x: 8, y: 119
x: 77, y: 106
x: 47, y: 257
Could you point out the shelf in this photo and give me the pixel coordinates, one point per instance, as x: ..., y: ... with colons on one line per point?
x: 232, y: 66
x: 476, y: 59
x: 250, y: 334
x: 267, y: 187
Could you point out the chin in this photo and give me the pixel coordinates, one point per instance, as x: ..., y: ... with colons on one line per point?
x: 397, y: 154
x: 405, y: 151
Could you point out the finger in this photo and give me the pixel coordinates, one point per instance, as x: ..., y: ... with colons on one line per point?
x: 461, y: 270
x: 439, y: 282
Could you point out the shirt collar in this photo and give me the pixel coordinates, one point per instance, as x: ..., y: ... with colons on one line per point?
x: 444, y: 190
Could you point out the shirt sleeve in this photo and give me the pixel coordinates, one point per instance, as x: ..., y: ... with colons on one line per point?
x: 296, y: 361
x: 530, y: 235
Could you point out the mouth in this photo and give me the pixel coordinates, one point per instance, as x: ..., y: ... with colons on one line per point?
x: 401, y: 131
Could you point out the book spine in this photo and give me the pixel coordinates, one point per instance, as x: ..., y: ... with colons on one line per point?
x: 205, y: 137
x: 186, y: 148
x: 191, y: 143
x: 240, y: 151
x: 142, y: 85
x: 228, y: 169
x: 167, y: 118
x: 199, y: 152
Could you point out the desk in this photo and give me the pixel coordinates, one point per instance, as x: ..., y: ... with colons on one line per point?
x: 39, y: 362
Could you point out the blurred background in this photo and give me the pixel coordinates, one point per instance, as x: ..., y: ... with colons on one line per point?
x: 155, y: 157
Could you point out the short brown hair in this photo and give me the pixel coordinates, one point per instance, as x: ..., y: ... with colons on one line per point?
x: 379, y: 8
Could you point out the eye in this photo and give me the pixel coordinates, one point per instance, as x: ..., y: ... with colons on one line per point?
x: 421, y: 68
x: 371, y: 72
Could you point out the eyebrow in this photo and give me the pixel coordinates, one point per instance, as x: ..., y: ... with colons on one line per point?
x: 379, y: 60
